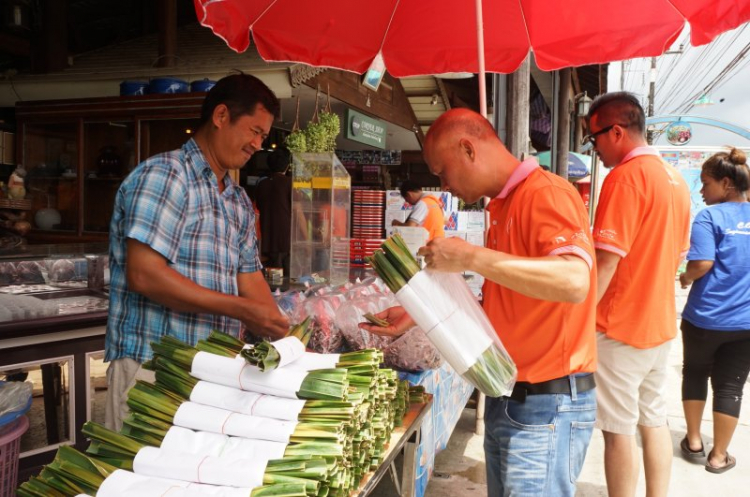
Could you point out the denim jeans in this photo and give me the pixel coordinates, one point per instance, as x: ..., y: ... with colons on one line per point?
x: 537, y: 447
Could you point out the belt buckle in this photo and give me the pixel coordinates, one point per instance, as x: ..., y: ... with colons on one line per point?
x: 519, y: 394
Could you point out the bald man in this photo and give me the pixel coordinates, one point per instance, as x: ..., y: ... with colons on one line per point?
x: 539, y: 295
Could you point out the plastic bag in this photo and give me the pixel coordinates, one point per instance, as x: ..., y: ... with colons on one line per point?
x: 288, y: 302
x: 326, y: 336
x: 15, y: 399
x: 351, y: 313
x: 412, y: 351
x: 444, y: 307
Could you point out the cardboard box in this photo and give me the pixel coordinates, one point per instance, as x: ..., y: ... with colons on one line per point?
x: 414, y: 236
x: 475, y: 221
x: 395, y: 202
x: 390, y: 216
x: 475, y: 238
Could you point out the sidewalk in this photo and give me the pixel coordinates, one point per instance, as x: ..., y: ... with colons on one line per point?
x: 459, y: 470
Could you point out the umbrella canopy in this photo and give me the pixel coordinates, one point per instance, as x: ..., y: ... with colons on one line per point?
x: 579, y: 165
x: 440, y: 36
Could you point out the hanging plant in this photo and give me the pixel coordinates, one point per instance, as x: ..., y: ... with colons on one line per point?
x: 315, y: 132
x: 296, y: 142
x: 331, y: 123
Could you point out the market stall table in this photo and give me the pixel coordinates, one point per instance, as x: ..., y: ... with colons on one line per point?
x: 408, y: 437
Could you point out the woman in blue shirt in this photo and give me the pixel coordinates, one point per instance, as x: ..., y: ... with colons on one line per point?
x: 716, y: 319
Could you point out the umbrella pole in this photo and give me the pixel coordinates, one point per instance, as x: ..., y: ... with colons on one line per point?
x: 480, y: 57
x: 479, y: 427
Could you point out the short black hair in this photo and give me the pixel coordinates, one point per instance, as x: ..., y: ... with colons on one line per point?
x: 278, y: 161
x: 241, y: 93
x: 409, y: 186
x: 619, y: 107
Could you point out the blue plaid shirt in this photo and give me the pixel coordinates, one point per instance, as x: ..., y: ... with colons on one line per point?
x: 171, y: 202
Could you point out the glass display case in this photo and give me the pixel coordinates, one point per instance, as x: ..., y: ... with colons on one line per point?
x: 40, y: 283
x: 53, y: 314
x: 321, y: 200
x: 77, y: 152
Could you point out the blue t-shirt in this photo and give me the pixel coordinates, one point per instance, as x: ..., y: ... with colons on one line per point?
x: 720, y: 300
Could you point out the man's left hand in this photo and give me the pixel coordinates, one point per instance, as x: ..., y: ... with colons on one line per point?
x: 451, y: 255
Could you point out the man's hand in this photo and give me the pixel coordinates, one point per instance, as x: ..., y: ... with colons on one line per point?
x: 451, y: 255
x: 399, y: 322
x: 685, y: 281
x: 268, y: 322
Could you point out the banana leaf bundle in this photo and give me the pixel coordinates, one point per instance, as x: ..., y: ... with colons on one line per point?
x: 443, y: 304
x: 271, y: 355
x: 120, y: 450
x: 325, y: 384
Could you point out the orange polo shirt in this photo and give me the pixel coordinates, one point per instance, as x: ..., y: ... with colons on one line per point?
x: 434, y: 223
x: 539, y: 214
x: 644, y: 217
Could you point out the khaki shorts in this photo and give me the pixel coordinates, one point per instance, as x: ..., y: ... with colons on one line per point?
x: 630, y: 386
x: 121, y: 376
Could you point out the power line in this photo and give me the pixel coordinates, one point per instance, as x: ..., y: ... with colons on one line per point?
x: 701, y: 83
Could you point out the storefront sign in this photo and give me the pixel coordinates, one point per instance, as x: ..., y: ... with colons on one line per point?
x: 364, y: 129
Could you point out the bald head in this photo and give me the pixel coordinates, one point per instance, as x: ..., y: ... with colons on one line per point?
x: 463, y: 150
x: 460, y: 122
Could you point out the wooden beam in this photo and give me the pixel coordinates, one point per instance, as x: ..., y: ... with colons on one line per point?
x: 50, y: 38
x: 167, y: 14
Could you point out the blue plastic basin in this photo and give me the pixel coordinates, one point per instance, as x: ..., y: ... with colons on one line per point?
x: 202, y: 85
x: 129, y: 88
x: 168, y: 85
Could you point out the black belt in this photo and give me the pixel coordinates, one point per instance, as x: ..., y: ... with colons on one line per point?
x: 584, y: 383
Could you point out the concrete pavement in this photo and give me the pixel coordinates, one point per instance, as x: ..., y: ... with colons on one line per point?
x: 459, y: 470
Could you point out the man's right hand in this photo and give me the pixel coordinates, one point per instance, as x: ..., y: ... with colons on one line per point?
x: 265, y: 322
x: 399, y: 322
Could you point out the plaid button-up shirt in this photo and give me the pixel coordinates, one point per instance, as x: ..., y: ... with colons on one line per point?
x: 171, y: 202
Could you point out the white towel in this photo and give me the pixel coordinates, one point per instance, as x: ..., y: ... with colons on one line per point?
x: 126, y: 484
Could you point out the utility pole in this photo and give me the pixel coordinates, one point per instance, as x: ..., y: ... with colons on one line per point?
x: 651, y: 92
x: 622, y: 75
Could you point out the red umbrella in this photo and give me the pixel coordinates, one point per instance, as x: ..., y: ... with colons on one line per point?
x: 439, y: 36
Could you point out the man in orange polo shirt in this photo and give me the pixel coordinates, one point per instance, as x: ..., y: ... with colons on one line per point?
x: 641, y: 234
x: 427, y: 212
x: 539, y: 295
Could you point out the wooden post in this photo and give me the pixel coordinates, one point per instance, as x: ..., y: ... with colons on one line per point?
x: 562, y: 137
x: 50, y: 39
x: 167, y: 15
x: 517, y: 115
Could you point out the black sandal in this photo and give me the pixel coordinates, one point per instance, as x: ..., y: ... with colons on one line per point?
x: 689, y: 453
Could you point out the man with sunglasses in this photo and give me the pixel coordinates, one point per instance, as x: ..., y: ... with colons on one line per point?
x: 641, y: 234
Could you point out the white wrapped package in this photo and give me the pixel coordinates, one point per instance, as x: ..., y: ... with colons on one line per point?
x: 444, y: 307
x: 226, y: 471
x: 183, y: 440
x: 243, y: 402
x: 236, y: 372
x: 126, y: 484
x: 212, y: 419
x: 311, y: 361
x: 290, y: 349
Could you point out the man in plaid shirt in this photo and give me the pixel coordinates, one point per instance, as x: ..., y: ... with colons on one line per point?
x: 183, y: 253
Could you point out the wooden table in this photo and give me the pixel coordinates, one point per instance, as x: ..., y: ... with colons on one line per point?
x: 406, y: 437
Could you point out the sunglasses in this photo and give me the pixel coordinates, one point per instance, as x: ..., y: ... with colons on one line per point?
x: 592, y: 137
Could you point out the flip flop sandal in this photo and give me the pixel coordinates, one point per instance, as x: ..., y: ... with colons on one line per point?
x: 730, y: 463
x: 689, y: 453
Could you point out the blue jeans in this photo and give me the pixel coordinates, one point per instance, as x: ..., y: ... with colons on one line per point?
x: 537, y: 447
